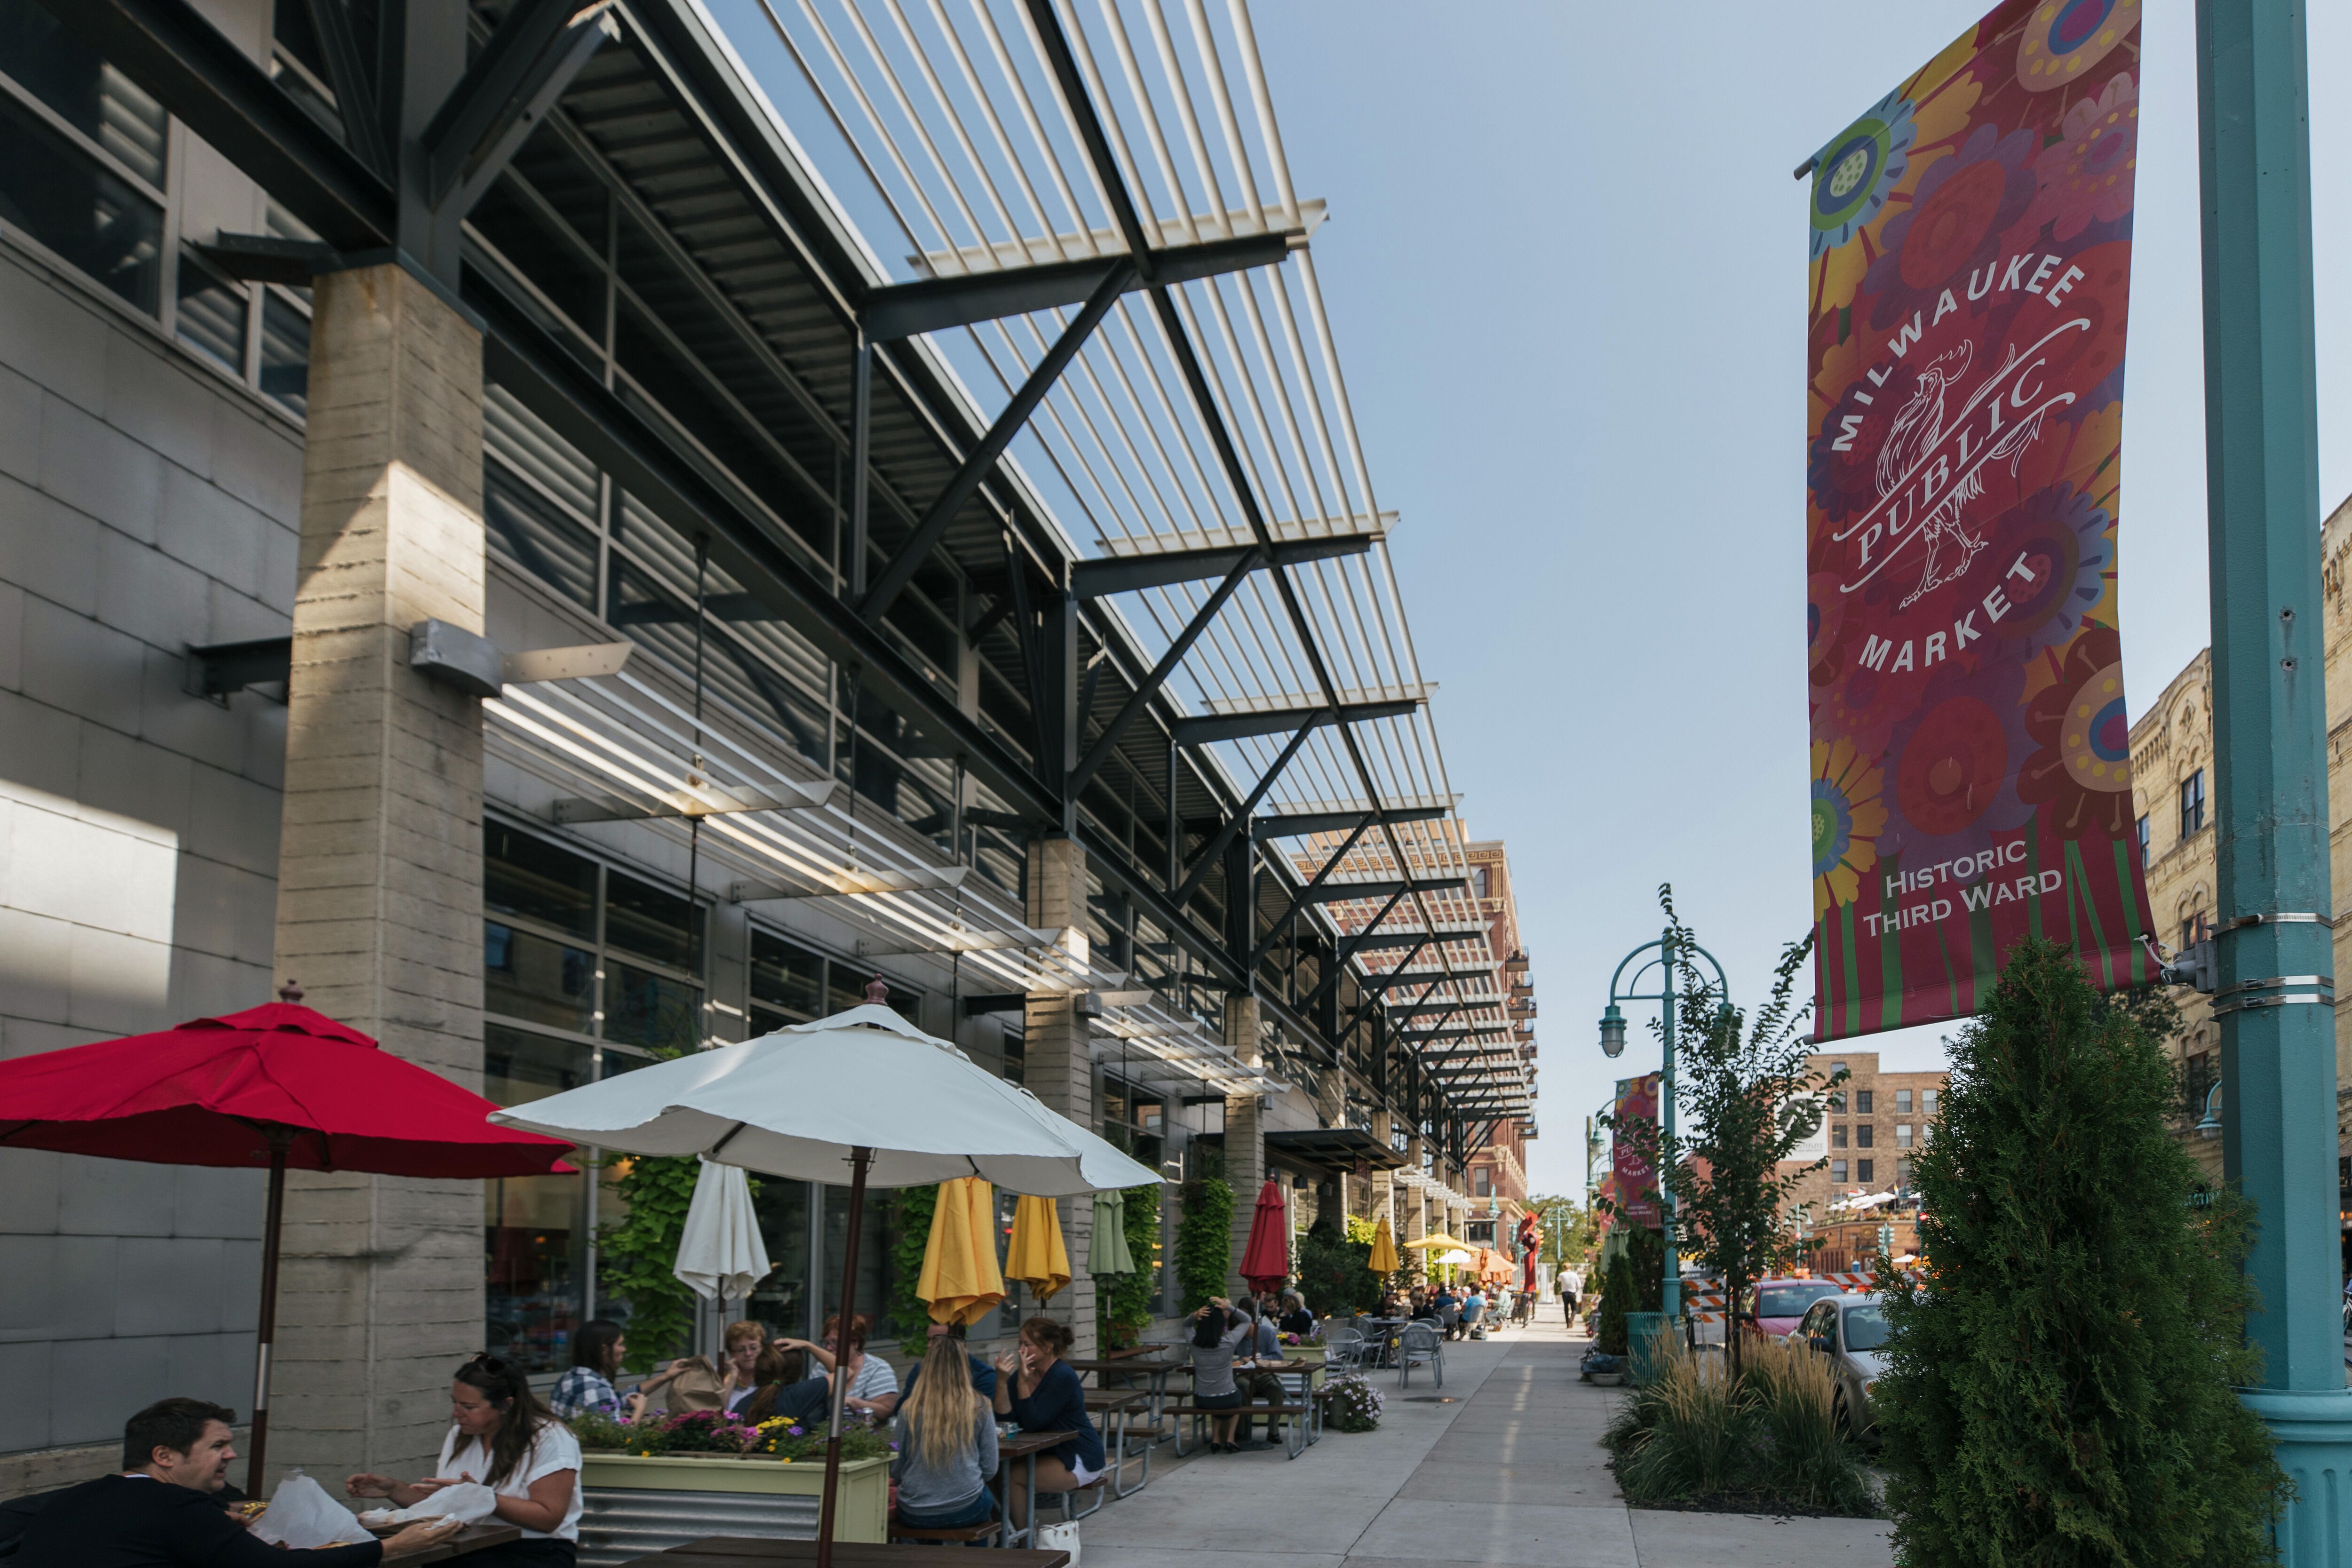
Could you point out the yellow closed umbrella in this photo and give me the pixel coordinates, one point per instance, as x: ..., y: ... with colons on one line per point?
x: 1384, y: 1252
x: 1035, y: 1255
x: 960, y: 1279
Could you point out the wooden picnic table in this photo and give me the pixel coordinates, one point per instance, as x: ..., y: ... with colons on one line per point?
x: 1157, y: 1372
x: 1024, y: 1445
x: 1121, y: 1401
x: 756, y: 1551
x: 1144, y: 1349
x: 473, y: 1538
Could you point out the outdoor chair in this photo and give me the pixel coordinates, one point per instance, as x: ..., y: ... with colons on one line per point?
x: 1419, y: 1346
x: 1343, y: 1346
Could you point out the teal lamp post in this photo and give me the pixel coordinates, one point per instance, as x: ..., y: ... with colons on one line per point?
x: 2273, y: 952
x: 1613, y: 1045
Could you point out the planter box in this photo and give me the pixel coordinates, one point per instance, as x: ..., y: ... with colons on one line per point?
x: 635, y: 1507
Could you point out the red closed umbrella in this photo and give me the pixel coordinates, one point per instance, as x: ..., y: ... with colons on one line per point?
x: 280, y: 1087
x: 1265, y: 1261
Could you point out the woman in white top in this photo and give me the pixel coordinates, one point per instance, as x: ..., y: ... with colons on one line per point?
x: 503, y: 1439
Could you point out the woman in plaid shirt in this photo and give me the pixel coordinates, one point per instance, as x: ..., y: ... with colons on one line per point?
x: 596, y: 1352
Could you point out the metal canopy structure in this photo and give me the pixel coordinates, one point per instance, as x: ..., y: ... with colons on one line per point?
x: 854, y: 489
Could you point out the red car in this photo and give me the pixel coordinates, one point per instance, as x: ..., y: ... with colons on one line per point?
x: 1779, y: 1303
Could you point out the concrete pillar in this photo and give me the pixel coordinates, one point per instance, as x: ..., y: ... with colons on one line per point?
x: 1244, y: 1134
x: 1057, y: 1061
x: 1383, y: 1204
x: 380, y: 871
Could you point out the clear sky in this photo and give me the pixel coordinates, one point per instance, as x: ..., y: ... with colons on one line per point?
x: 1565, y: 265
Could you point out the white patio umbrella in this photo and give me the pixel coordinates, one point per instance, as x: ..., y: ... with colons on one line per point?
x: 721, y: 1255
x: 863, y: 1088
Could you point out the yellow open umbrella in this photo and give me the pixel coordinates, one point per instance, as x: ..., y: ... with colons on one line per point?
x: 1035, y: 1255
x: 1384, y: 1252
x: 1435, y: 1238
x: 959, y: 1277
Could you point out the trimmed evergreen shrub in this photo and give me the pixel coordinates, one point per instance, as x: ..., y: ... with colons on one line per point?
x: 1335, y: 1269
x: 2059, y: 1392
x: 1617, y: 1295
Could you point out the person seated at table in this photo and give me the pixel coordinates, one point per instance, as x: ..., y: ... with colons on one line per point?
x: 1217, y: 1334
x: 1474, y: 1307
x: 983, y: 1376
x: 1037, y: 1389
x: 1296, y: 1319
x: 1417, y: 1301
x: 1390, y: 1306
x: 873, y: 1387
x: 164, y: 1507
x: 1262, y: 1343
x: 597, y: 1347
x: 1447, y: 1306
x: 946, y: 1437
x: 784, y: 1384
x: 502, y: 1437
x: 738, y: 1378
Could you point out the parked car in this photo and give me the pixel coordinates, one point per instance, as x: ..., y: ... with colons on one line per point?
x: 1851, y: 1329
x: 1779, y: 1303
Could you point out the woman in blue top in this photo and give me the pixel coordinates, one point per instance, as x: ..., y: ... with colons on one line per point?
x: 1034, y: 1388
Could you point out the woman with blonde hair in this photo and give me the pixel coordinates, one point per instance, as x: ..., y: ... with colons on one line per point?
x: 947, y: 1444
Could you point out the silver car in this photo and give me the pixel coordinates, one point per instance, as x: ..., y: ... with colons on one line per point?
x: 1851, y: 1329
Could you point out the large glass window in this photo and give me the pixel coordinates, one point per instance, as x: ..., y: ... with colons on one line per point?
x: 72, y: 203
x: 535, y: 1228
x: 566, y: 1007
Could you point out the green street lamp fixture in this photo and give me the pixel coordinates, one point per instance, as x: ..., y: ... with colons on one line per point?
x: 2210, y: 1126
x: 1613, y: 1045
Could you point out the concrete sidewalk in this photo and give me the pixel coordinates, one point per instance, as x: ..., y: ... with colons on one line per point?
x: 1501, y: 1465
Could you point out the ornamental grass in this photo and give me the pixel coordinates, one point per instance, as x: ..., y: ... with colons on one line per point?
x: 1766, y: 1441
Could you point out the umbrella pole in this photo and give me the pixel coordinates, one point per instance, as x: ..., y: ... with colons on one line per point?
x: 271, y: 1224
x: 859, y: 1159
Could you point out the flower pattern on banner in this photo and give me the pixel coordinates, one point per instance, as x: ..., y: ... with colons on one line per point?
x: 1971, y: 766
x: 1859, y: 170
x: 2081, y: 772
x: 2087, y: 178
x: 1848, y: 816
x: 2065, y: 39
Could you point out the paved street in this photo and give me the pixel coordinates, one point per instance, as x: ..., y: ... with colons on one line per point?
x: 1511, y: 1471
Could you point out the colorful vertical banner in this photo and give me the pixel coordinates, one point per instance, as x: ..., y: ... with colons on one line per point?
x: 1970, y: 275
x: 1636, y: 1175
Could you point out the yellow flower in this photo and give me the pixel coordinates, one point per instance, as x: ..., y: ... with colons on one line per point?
x: 1848, y: 818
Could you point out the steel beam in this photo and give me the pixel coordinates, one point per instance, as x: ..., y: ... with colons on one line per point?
x: 347, y: 73
x: 1299, y: 899
x: 214, y: 87
x: 1107, y: 575
x: 936, y: 304
x: 1240, y: 818
x: 984, y: 457
x: 1146, y: 689
x: 1207, y: 729
x: 538, y: 42
x: 1300, y: 824
x: 1339, y: 890
x: 595, y: 418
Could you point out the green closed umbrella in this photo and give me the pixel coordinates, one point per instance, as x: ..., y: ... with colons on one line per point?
x: 1108, y: 1254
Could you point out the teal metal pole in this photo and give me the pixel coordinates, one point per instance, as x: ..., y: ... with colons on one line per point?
x: 2273, y: 949
x: 1672, y: 1301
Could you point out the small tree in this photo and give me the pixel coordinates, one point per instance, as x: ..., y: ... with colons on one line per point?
x: 638, y: 1255
x: 2059, y: 1391
x: 1752, y: 1100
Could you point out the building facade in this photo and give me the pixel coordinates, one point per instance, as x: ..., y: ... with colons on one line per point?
x: 272, y: 398
x: 1873, y: 1123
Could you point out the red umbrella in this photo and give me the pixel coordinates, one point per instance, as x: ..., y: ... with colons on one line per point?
x: 277, y: 1086
x: 1265, y: 1261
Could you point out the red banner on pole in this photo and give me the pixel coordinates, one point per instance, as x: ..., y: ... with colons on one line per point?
x: 1969, y: 276
x: 1636, y: 1193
